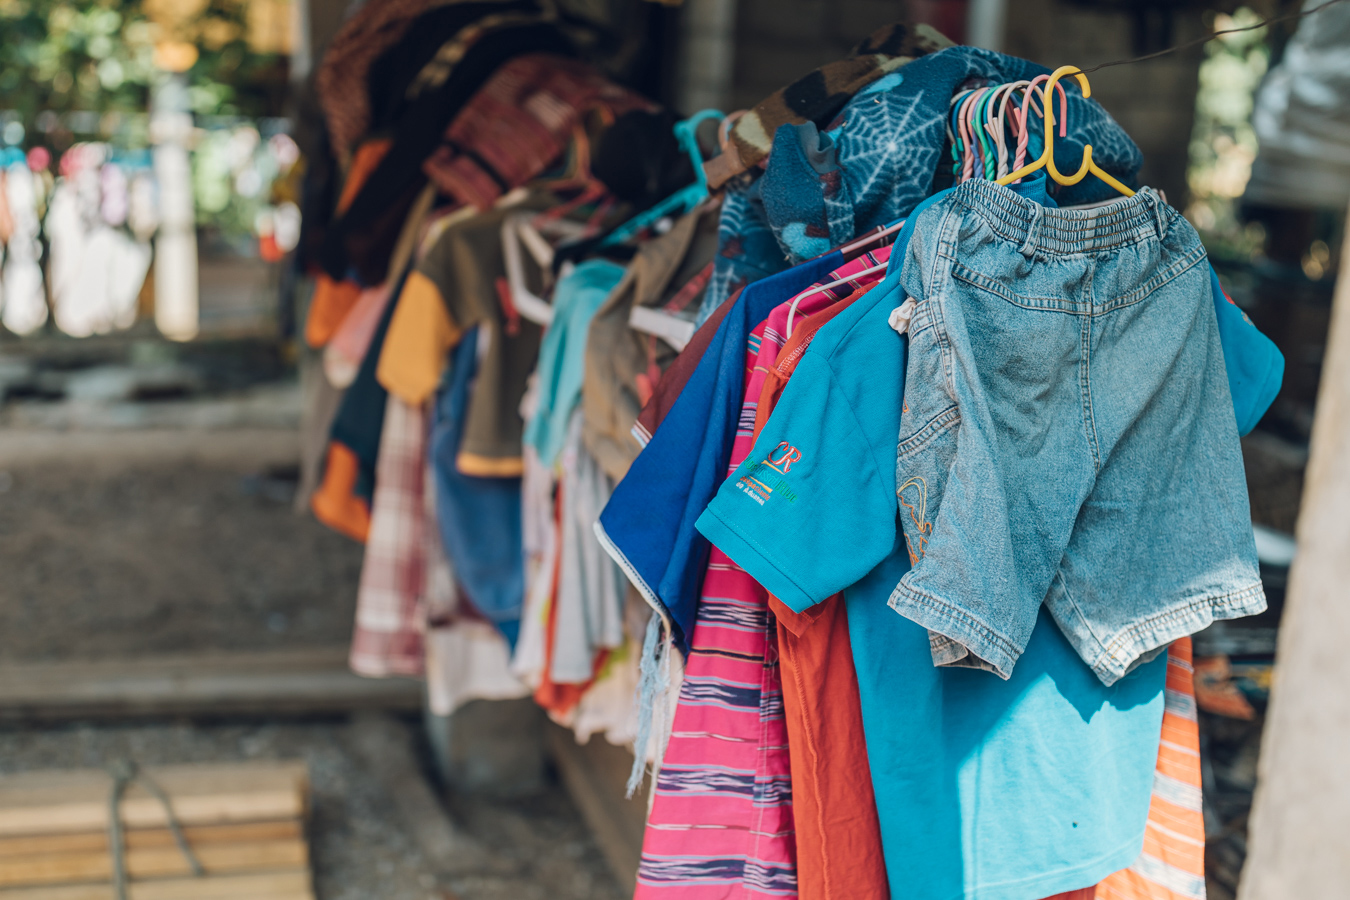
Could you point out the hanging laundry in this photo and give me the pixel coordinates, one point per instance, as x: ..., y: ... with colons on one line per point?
x: 887, y: 144
x: 21, y: 292
x: 684, y: 468
x: 623, y: 365
x: 857, y: 526
x: 1089, y: 489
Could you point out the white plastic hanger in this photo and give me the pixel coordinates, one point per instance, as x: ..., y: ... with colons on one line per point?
x: 515, y: 228
x: 850, y: 250
x: 674, y: 330
x: 792, y: 310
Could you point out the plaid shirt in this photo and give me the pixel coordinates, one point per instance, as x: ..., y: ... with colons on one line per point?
x: 519, y: 123
x: 390, y: 610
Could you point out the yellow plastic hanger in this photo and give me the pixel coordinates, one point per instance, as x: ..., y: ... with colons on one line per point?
x: 1047, y: 160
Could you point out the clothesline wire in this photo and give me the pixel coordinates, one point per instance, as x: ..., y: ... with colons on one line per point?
x: 1288, y: 17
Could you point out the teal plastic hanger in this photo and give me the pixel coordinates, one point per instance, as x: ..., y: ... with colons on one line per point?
x: 988, y: 153
x: 686, y: 198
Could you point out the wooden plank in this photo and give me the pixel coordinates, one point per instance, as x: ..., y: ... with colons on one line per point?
x: 154, y: 862
x: 302, y: 681
x: 292, y: 885
x: 239, y: 449
x: 595, y: 775
x: 1301, y: 814
x: 143, y: 838
x: 49, y: 802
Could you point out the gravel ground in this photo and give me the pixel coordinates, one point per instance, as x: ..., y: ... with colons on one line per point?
x: 165, y: 557
x: 360, y: 848
x: 120, y: 544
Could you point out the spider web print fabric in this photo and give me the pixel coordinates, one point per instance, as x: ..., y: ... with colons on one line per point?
x: 888, y: 143
x: 746, y: 249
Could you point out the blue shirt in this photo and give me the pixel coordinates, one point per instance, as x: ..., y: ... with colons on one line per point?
x: 479, y: 518
x: 648, y: 524
x: 986, y: 789
x: 562, y: 353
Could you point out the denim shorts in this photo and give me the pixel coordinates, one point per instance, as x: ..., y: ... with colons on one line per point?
x: 1068, y: 435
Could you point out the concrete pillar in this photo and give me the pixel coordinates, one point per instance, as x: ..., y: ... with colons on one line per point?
x: 1299, y: 838
x: 176, y: 243
x: 490, y: 747
x: 704, y: 70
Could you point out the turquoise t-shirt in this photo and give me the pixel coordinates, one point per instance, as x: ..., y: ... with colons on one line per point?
x: 986, y: 789
x: 562, y: 353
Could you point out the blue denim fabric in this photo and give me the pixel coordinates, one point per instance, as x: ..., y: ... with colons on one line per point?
x: 888, y: 146
x: 1068, y: 433
x: 479, y: 518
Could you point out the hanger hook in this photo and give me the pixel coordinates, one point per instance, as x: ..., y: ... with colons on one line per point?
x: 1050, y: 167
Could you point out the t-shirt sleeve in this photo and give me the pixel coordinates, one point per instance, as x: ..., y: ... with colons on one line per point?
x: 420, y: 336
x: 811, y: 510
x: 1255, y: 365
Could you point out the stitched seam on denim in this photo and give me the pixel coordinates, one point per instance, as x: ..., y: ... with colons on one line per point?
x: 1190, y: 260
x: 943, y: 422
x: 1008, y: 216
x: 956, y: 616
x: 921, y: 321
x: 1228, y: 599
x: 1042, y: 304
x: 1078, y: 611
x: 949, y: 235
x: 1178, y: 616
x: 1085, y: 386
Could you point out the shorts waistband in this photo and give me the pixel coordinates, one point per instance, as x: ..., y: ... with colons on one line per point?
x: 1132, y: 220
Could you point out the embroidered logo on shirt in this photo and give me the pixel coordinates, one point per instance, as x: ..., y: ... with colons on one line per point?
x: 913, y: 496
x: 787, y: 455
x: 759, y: 483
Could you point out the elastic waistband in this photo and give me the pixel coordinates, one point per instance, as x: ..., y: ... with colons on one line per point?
x: 1132, y: 220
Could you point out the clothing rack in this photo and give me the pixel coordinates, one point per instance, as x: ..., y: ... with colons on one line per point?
x: 679, y: 462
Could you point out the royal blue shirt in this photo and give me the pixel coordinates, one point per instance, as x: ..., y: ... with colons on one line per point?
x: 648, y: 524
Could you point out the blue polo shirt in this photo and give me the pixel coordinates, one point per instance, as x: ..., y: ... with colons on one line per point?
x: 648, y: 524
x: 986, y: 789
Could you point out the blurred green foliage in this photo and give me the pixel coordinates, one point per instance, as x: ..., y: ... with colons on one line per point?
x: 1223, y: 144
x: 99, y: 56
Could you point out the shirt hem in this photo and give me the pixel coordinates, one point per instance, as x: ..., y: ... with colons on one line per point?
x: 1122, y: 650
x: 747, y: 553
x: 949, y: 620
x: 489, y: 467
x: 631, y: 572
x: 1070, y: 879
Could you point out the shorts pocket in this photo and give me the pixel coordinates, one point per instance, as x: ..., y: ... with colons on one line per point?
x: 998, y: 288
x: 915, y: 442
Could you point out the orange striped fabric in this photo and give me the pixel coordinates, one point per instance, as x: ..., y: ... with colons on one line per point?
x: 1172, y: 864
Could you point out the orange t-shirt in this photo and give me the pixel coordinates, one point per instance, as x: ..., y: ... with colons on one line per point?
x: 839, y: 852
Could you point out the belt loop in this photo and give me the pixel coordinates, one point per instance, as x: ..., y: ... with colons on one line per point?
x: 1160, y: 211
x: 1028, y: 248
x: 1155, y: 206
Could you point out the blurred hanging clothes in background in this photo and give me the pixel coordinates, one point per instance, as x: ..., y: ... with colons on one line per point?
x: 24, y: 300
x: 1302, y: 119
